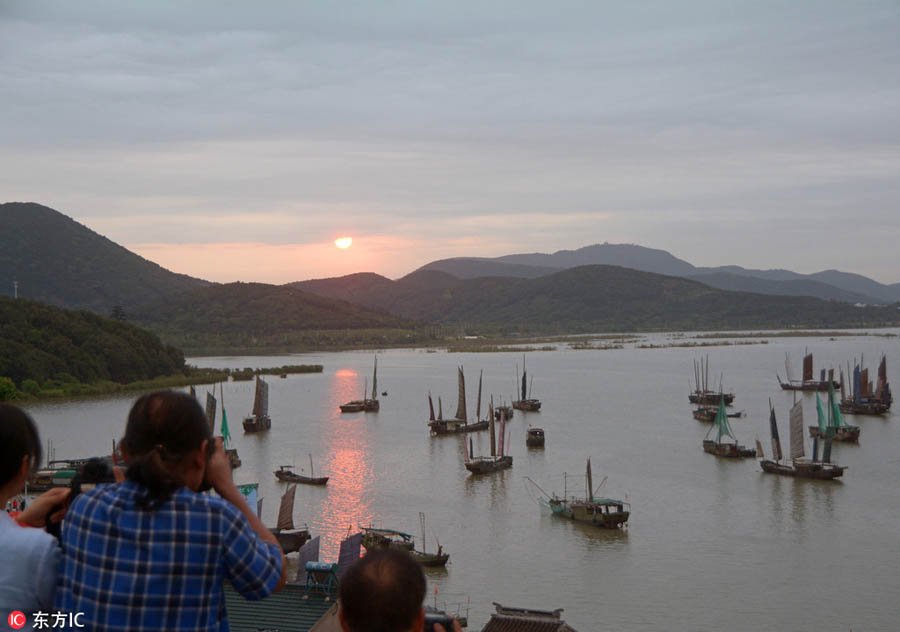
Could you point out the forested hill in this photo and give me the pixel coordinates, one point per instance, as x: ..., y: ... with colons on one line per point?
x: 605, y: 298
x: 58, y: 261
x: 257, y: 315
x: 47, y: 344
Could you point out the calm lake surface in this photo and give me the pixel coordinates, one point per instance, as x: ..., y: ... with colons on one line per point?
x: 712, y: 544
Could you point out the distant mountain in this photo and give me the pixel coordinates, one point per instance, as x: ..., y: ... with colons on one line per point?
x: 472, y: 268
x: 58, y: 261
x: 255, y: 315
x: 794, y: 287
x: 605, y: 298
x: 858, y: 283
x: 624, y: 255
x: 353, y: 288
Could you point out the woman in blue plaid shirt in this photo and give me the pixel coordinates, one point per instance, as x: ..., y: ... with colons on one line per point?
x: 152, y: 552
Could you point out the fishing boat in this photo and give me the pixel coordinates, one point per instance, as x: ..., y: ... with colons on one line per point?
x: 702, y: 393
x: 230, y: 453
x: 723, y: 430
x: 534, y: 437
x: 460, y: 423
x: 423, y: 557
x: 832, y: 426
x: 366, y: 404
x: 526, y: 403
x: 708, y: 413
x: 863, y: 398
x: 289, y: 538
x: 285, y: 474
x: 807, y: 383
x: 497, y: 460
x: 798, y: 467
x: 259, y: 419
x: 606, y: 513
x: 506, y: 410
x: 379, y: 538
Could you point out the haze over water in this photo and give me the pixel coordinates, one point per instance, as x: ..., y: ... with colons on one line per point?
x: 712, y: 544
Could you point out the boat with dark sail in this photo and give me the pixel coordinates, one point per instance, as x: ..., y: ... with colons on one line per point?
x: 719, y: 447
x: 526, y: 403
x: 460, y: 423
x: 259, y: 419
x: 832, y: 425
x: 606, y: 513
x: 289, y: 538
x: 366, y: 404
x: 287, y: 475
x: 863, y: 398
x: 798, y: 467
x: 807, y: 383
x: 497, y: 460
x: 702, y: 393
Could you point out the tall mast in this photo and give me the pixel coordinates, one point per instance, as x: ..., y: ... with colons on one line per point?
x: 478, y: 406
x: 375, y: 380
x: 590, y: 482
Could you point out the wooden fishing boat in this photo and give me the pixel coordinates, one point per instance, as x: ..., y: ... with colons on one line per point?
x: 378, y: 538
x: 526, y: 403
x: 534, y: 438
x: 863, y: 398
x: 807, y: 383
x: 506, y: 410
x: 798, y: 467
x: 289, y: 538
x: 211, y: 404
x: 460, y: 423
x: 702, y: 393
x: 605, y: 513
x: 423, y: 557
x: 285, y: 474
x: 366, y: 404
x: 832, y: 426
x: 723, y: 430
x: 259, y: 419
x: 708, y: 414
x: 497, y: 460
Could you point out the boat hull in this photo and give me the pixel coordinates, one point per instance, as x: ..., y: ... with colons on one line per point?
x: 817, y: 471
x: 291, y: 541
x: 486, y: 465
x: 711, y: 398
x: 809, y: 385
x: 359, y: 405
x: 500, y: 410
x: 708, y: 414
x: 534, y: 438
x: 430, y: 559
x: 257, y: 424
x: 290, y: 477
x: 453, y: 426
x: 527, y: 405
x: 588, y: 513
x: 728, y: 450
x: 849, y: 434
x: 872, y: 407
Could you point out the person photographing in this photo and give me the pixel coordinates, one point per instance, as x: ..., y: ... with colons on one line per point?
x: 152, y: 552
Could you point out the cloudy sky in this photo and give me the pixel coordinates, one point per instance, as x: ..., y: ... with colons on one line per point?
x: 237, y: 140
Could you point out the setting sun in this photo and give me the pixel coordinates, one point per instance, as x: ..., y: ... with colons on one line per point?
x: 343, y: 242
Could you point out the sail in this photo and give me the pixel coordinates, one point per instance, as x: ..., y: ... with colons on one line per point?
x: 524, y: 382
x: 826, y: 451
x: 759, y: 450
x: 226, y: 434
x: 478, y: 405
x: 461, y: 401
x: 837, y: 419
x: 856, y: 385
x: 211, y: 412
x: 723, y: 428
x: 807, y: 367
x: 797, y: 431
x: 440, y: 410
x: 261, y: 401
x: 823, y: 419
x: 193, y: 392
x: 430, y: 408
x: 502, y: 436
x: 493, y: 443
x: 864, y: 382
x: 286, y: 511
x: 375, y: 380
x: 590, y: 482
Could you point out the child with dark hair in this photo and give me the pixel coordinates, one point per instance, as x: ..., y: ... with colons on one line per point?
x: 152, y: 553
x: 29, y: 558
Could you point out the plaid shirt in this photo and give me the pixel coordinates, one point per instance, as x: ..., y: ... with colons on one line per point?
x: 128, y: 568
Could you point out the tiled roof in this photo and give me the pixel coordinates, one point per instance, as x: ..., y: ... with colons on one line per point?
x: 285, y: 611
x: 507, y: 619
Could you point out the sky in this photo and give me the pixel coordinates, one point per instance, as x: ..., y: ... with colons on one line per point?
x: 236, y: 140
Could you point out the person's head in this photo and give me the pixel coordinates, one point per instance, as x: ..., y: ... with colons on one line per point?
x: 165, y: 444
x: 383, y: 592
x: 20, y: 449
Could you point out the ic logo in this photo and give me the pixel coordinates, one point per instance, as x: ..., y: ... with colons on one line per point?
x: 16, y: 619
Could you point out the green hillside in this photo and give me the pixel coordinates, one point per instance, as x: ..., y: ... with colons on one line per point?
x: 260, y: 316
x: 52, y: 347
x: 58, y: 261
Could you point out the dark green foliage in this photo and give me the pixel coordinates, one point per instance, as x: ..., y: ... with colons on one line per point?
x: 56, y: 348
x: 58, y: 261
x: 8, y: 390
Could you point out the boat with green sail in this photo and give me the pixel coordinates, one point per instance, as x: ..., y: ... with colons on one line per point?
x: 832, y: 425
x: 722, y: 447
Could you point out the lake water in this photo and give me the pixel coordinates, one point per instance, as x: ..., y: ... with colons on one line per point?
x: 712, y: 544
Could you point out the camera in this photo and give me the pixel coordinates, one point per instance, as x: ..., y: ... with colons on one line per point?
x: 88, y: 475
x: 438, y: 617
